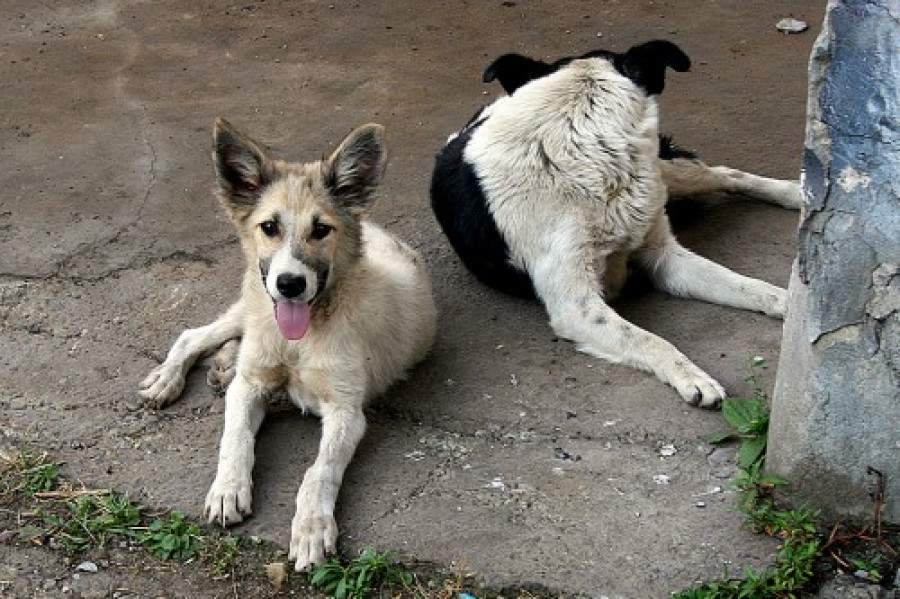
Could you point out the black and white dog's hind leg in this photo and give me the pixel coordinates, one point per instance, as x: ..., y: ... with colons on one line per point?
x: 686, y: 177
x: 678, y: 271
x: 567, y: 283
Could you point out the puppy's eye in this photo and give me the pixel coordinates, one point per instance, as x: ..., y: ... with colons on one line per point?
x: 269, y: 228
x: 321, y: 230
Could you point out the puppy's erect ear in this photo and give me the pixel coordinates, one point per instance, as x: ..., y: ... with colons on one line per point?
x: 355, y: 168
x: 514, y: 70
x: 646, y: 64
x: 240, y: 168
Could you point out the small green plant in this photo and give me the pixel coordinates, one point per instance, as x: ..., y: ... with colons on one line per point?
x: 749, y: 419
x: 870, y: 567
x: 90, y: 521
x: 360, y: 577
x: 220, y: 551
x: 175, y: 538
x: 41, y: 478
x: 26, y: 472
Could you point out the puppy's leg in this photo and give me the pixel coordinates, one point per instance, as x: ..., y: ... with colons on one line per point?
x: 229, y: 498
x: 684, y: 177
x: 569, y: 288
x: 223, y: 368
x: 164, y: 383
x: 679, y: 271
x: 314, y: 530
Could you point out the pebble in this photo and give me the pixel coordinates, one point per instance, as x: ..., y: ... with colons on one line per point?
x: 667, y: 450
x: 721, y: 456
x: 791, y: 25
x: 86, y: 567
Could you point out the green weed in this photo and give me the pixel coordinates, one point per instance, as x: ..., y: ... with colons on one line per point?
x: 90, y: 521
x: 220, y: 551
x: 749, y: 420
x: 360, y: 577
x: 41, y: 478
x: 26, y: 472
x: 175, y: 538
x: 870, y: 567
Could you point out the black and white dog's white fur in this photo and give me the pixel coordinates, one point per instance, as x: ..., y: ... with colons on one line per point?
x: 550, y: 190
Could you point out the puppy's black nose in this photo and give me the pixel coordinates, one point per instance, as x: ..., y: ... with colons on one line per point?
x: 290, y: 286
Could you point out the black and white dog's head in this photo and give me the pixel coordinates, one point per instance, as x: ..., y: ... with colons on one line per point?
x: 644, y: 64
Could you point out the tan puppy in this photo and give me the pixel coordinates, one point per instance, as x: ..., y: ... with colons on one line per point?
x: 333, y: 309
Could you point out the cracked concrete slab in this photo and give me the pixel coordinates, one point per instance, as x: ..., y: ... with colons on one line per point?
x: 506, y: 450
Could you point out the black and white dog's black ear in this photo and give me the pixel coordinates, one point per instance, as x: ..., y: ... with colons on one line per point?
x: 355, y: 168
x: 514, y: 70
x: 646, y: 64
x: 240, y: 166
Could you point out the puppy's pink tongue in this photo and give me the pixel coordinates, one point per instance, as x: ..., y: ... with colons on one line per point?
x: 292, y: 319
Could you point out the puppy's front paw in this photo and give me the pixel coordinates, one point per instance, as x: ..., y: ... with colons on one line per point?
x: 313, y: 534
x: 162, y: 386
x: 698, y: 388
x: 228, y: 501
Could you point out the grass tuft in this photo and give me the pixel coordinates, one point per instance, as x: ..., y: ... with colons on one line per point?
x: 361, y: 576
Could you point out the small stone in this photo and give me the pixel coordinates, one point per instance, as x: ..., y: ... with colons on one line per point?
x: 662, y: 479
x: 277, y: 573
x: 667, y: 450
x: 7, y: 536
x: 497, y: 483
x: 86, y: 567
x: 721, y: 456
x: 791, y: 25
x: 700, y: 504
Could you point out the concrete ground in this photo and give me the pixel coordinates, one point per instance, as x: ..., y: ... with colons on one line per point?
x: 507, y: 450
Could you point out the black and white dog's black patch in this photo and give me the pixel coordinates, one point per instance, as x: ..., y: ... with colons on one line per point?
x: 550, y: 190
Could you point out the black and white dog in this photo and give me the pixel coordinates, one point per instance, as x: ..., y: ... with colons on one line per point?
x: 550, y: 190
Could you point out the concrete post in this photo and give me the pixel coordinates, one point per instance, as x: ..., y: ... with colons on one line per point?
x: 836, y: 406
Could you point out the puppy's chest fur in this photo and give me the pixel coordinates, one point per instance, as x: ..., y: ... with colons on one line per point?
x: 379, y: 322
x: 295, y: 366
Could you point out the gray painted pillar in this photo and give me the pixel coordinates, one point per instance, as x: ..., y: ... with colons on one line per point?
x: 836, y: 406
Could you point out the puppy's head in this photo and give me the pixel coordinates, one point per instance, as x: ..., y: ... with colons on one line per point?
x: 644, y: 64
x: 299, y: 223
